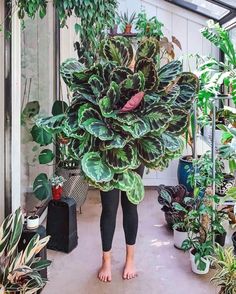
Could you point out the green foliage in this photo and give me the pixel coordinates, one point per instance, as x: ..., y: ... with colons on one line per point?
x: 148, y: 27
x: 42, y: 187
x: 225, y: 262
x: 95, y: 16
x: 19, y: 270
x: 213, y: 73
x: 120, y: 117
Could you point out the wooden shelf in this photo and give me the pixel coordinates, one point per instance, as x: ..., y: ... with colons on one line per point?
x: 131, y: 35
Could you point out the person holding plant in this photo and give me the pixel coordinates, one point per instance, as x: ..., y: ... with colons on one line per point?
x: 110, y: 202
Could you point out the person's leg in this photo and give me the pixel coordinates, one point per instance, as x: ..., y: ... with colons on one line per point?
x: 130, y: 224
x: 110, y: 202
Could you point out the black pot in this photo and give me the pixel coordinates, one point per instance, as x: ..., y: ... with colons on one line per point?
x: 234, y: 241
x: 220, y: 238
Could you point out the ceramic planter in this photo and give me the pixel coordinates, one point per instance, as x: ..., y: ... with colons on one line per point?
x: 194, y: 265
x: 32, y: 222
x: 184, y: 169
x: 179, y: 238
x: 57, y: 193
x: 220, y: 239
x: 228, y: 183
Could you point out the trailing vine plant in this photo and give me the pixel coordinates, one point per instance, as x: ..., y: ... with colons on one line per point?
x: 95, y: 16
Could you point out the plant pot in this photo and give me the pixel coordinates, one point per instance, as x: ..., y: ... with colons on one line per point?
x: 128, y: 28
x: 220, y: 239
x: 75, y: 186
x: 32, y: 222
x: 234, y: 241
x: 57, y: 193
x: 179, y: 238
x: 207, y: 131
x: 228, y: 183
x: 185, y: 168
x: 194, y: 265
x: 113, y: 31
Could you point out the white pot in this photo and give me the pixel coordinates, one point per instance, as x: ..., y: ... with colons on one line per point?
x: 32, y: 222
x: 179, y: 238
x: 194, y: 265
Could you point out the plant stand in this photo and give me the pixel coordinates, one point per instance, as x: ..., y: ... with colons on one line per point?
x: 62, y: 225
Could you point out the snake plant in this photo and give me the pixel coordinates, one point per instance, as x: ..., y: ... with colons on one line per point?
x: 125, y: 112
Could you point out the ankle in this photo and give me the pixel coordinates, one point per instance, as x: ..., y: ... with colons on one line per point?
x: 106, y: 257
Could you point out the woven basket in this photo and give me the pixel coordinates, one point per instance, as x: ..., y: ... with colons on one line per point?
x: 75, y: 185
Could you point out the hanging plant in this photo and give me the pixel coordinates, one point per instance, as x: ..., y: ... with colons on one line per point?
x: 95, y: 15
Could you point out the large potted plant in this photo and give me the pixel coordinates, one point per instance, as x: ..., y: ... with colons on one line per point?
x: 124, y: 115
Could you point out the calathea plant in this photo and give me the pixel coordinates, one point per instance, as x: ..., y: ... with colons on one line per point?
x: 123, y: 115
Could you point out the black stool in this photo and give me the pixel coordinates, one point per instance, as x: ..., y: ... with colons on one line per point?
x: 26, y: 236
x: 62, y: 225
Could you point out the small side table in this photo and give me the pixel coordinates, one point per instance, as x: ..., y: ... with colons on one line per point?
x: 62, y: 225
x: 26, y: 236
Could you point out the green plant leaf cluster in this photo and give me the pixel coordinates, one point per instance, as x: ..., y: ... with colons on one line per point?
x: 122, y: 115
x: 95, y: 15
x: 19, y: 271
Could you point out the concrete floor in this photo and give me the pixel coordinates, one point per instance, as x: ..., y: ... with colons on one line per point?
x: 161, y: 267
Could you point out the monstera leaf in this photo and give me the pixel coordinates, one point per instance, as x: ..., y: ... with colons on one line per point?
x: 147, y: 67
x: 96, y: 168
x: 118, y: 50
x: 41, y: 136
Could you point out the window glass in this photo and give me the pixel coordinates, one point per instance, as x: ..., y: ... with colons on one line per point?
x: 37, y: 70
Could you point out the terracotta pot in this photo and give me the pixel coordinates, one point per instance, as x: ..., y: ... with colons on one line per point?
x: 56, y: 193
x: 128, y: 28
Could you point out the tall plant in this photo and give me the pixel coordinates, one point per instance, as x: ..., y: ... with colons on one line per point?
x: 123, y: 114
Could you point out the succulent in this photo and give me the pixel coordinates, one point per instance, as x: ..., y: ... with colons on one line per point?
x: 125, y: 112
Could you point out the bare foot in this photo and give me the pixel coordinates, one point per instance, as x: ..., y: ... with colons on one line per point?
x: 129, y: 270
x: 104, y: 273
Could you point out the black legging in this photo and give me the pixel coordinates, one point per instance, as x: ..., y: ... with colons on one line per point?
x: 110, y: 203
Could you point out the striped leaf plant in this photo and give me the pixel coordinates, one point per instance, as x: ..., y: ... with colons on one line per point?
x: 125, y: 111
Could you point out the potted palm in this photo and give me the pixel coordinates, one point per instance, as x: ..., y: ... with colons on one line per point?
x: 127, y: 21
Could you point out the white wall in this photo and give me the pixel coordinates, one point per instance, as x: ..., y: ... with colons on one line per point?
x: 185, y: 26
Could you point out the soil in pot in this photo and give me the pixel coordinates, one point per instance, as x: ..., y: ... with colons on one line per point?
x: 220, y: 239
x: 194, y: 265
